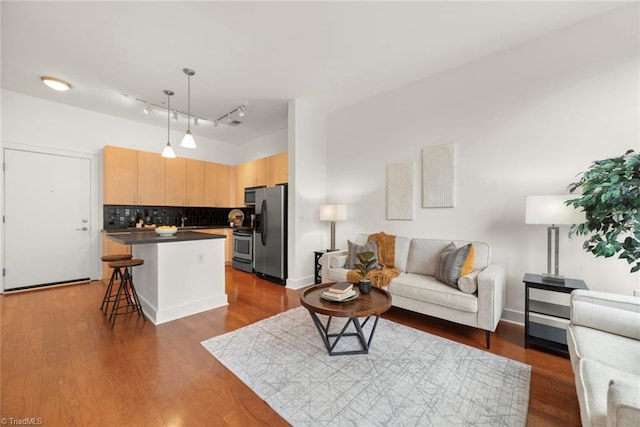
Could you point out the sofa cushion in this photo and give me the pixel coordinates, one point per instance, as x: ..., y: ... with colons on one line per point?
x: 602, y: 347
x: 428, y: 289
x: 355, y: 249
x: 455, y: 263
x: 424, y: 255
x: 592, y: 385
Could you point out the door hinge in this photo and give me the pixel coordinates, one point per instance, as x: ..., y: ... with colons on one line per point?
x: 4, y: 272
x: 4, y: 166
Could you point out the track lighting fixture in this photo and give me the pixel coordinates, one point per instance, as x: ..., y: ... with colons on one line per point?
x: 241, y: 111
x: 195, y: 121
x: 174, y: 116
x: 188, y: 141
x: 168, y: 151
x: 148, y: 109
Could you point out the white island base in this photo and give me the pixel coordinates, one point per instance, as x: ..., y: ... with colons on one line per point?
x: 180, y: 278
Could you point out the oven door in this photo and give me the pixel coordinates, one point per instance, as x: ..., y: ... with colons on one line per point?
x: 243, y: 247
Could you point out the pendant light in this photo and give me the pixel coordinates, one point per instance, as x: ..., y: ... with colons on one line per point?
x: 188, y: 141
x: 168, y: 151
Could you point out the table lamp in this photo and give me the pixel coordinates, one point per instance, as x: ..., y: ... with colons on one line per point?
x: 333, y: 213
x: 553, y: 211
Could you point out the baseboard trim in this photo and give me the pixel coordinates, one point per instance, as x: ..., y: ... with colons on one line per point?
x: 513, y: 316
x: 300, y: 283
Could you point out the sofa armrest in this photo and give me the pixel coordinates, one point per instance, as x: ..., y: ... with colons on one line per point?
x: 613, y: 313
x: 492, y: 290
x: 325, y: 262
x: 623, y: 403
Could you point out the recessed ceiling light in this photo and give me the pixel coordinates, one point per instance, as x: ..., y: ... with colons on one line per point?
x: 55, y: 83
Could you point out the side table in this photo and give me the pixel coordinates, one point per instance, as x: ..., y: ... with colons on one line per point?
x: 318, y: 267
x: 549, y: 338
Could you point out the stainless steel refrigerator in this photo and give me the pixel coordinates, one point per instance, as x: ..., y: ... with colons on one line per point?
x: 270, y: 234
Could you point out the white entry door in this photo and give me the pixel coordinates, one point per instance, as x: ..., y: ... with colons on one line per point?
x: 47, y: 201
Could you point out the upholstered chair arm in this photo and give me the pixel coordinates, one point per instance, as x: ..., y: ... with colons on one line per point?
x: 491, y: 296
x: 335, y: 259
x: 623, y: 403
x: 613, y: 313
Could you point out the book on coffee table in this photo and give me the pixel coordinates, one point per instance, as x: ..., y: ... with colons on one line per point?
x: 340, y: 287
x: 331, y: 296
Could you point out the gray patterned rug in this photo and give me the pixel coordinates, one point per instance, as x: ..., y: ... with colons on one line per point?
x: 409, y: 377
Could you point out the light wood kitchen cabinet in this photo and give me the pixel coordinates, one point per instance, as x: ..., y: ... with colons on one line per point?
x: 217, y: 185
x: 120, y: 169
x: 109, y: 247
x: 194, y: 183
x: 151, y: 177
x: 228, y: 253
x: 277, y: 169
x: 175, y: 186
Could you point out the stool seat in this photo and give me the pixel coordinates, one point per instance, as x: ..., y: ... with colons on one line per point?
x: 115, y: 257
x: 126, y: 263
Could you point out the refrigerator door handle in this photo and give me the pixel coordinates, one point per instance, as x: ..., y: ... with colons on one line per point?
x: 263, y: 231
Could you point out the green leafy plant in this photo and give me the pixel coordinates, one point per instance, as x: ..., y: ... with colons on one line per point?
x: 366, y: 264
x: 611, y: 201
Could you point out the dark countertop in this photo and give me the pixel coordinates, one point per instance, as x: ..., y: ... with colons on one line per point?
x: 187, y: 228
x: 144, y: 237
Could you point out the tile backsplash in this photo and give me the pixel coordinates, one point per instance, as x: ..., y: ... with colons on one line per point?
x: 119, y: 217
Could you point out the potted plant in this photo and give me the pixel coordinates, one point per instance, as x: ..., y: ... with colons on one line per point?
x: 366, y: 264
x: 611, y: 201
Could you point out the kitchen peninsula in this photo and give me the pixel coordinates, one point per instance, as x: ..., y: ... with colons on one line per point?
x: 182, y: 274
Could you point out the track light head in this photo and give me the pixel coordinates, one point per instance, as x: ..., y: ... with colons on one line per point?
x: 147, y: 109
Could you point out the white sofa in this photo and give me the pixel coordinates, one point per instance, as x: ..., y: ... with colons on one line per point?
x: 416, y: 288
x: 604, y: 346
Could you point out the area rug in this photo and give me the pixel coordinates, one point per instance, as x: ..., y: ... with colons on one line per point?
x: 409, y: 377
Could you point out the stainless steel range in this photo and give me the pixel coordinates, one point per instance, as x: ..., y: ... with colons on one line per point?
x: 243, y: 249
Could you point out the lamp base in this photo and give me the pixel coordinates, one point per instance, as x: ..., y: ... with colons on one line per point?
x: 552, y: 278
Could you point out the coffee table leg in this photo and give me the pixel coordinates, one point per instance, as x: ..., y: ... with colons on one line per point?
x: 326, y: 336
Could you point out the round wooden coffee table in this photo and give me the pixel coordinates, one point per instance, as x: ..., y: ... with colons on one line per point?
x: 366, y: 306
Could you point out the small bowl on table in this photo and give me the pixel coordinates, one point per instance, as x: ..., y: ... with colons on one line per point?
x: 166, y: 231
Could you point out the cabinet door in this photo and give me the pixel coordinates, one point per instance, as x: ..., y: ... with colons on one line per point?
x: 151, y: 176
x: 109, y: 247
x: 243, y: 178
x: 211, y: 184
x: 278, y: 169
x: 120, y: 174
x: 174, y: 182
x: 260, y: 171
x: 224, y: 186
x: 194, y: 182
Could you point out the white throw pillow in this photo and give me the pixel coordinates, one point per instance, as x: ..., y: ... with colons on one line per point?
x: 469, y: 283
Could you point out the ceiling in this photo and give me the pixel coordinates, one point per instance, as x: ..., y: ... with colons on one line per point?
x: 262, y: 52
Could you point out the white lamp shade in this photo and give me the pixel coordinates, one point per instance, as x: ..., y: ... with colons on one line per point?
x: 188, y: 141
x: 552, y: 210
x: 333, y: 212
x: 168, y: 152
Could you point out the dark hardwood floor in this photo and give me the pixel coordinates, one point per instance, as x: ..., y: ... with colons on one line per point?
x: 63, y: 364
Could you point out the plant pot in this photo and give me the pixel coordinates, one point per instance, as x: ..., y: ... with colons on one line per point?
x: 364, y: 286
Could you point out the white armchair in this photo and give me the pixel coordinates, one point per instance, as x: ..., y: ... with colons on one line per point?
x: 604, y: 347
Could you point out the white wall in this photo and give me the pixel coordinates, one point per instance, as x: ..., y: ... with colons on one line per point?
x: 525, y: 121
x: 264, y: 146
x: 307, y: 188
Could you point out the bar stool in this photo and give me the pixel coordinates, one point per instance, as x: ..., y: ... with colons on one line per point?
x: 115, y: 275
x: 126, y: 291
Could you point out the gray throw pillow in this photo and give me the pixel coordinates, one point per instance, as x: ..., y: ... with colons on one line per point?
x: 355, y: 249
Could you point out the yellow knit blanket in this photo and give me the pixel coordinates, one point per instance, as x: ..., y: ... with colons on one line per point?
x: 386, y: 258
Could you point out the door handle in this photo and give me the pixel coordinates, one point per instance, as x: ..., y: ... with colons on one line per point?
x: 82, y: 228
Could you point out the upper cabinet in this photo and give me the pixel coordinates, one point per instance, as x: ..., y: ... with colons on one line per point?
x: 175, y: 187
x: 194, y: 183
x: 217, y: 185
x: 277, y: 169
x: 151, y: 176
x: 267, y: 171
x: 132, y: 177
